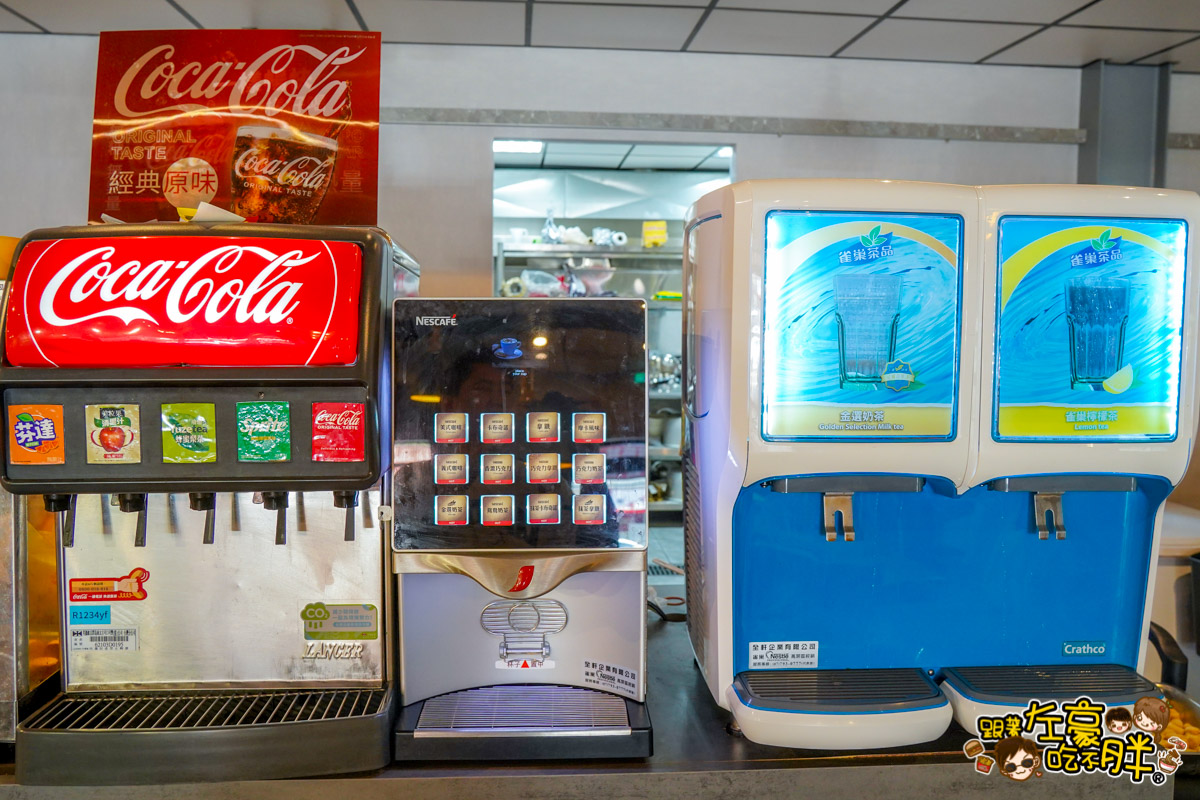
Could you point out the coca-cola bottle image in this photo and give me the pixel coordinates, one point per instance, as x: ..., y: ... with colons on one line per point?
x: 280, y: 174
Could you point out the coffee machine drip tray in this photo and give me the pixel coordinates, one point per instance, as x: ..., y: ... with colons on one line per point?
x: 523, y: 721
x: 155, y: 737
x: 839, y: 709
x: 996, y: 691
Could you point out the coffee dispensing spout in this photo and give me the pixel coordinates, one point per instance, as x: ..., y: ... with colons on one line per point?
x: 277, y: 502
x: 206, y: 502
x: 135, y: 504
x: 349, y: 501
x: 56, y: 504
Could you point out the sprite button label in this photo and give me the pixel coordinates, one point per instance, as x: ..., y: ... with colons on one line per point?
x: 189, y: 434
x: 264, y: 431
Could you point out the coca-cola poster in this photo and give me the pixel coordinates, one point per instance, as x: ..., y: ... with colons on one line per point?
x: 211, y: 301
x: 275, y: 126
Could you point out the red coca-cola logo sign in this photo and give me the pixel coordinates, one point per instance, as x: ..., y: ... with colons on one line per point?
x: 346, y: 418
x: 305, y: 172
x: 184, y: 300
x: 299, y: 78
x: 339, y: 432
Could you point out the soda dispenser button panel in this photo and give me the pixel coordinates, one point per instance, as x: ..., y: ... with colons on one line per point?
x: 35, y: 434
x: 264, y: 431
x: 496, y: 468
x: 542, y: 509
x: 339, y: 432
x: 450, y: 428
x: 541, y: 427
x: 450, y: 509
x: 451, y: 468
x: 496, y: 428
x: 496, y: 509
x: 542, y: 468
x: 588, y: 468
x: 114, y: 434
x: 189, y: 433
x: 588, y: 428
x: 589, y: 509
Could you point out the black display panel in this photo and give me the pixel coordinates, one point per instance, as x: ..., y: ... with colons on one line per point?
x: 519, y: 423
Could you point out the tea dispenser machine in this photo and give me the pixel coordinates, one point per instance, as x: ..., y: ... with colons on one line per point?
x: 520, y: 528
x: 1087, y: 409
x: 874, y: 525
x: 201, y: 407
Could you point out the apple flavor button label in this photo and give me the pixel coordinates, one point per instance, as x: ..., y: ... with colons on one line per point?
x: 114, y: 434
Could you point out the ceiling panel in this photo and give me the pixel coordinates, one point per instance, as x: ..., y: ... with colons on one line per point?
x: 332, y: 15
x: 10, y: 23
x: 776, y: 33
x: 518, y: 159
x: 935, y: 41
x: 872, y: 7
x: 583, y: 161
x: 93, y: 16
x: 587, y: 149
x: 1186, y: 58
x: 1039, y: 11
x: 692, y: 3
x: 1170, y: 14
x: 1074, y: 47
x: 661, y: 162
x: 445, y: 21
x: 625, y: 27
x: 716, y: 162
x: 694, y: 151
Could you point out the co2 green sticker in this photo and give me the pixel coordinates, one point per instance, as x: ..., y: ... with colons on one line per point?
x: 340, y: 621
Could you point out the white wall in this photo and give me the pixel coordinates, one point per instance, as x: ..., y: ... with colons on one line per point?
x: 1183, y: 166
x: 436, y: 180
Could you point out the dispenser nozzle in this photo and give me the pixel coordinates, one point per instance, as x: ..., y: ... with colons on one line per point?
x: 206, y: 502
x: 349, y: 501
x: 277, y: 502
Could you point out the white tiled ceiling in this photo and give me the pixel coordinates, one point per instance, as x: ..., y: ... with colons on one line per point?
x: 1074, y: 47
x: 1172, y: 14
x: 267, y: 14
x: 446, y: 21
x: 619, y: 155
x: 93, y: 16
x: 1065, y: 33
x: 776, y: 33
x: 1039, y: 11
x: 625, y: 27
x: 935, y: 41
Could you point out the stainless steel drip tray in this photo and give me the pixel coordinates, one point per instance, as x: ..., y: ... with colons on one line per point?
x: 523, y: 721
x: 166, y: 737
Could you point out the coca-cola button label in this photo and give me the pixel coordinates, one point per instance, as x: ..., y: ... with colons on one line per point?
x: 589, y: 509
x: 450, y: 428
x: 496, y: 468
x: 542, y: 509
x: 496, y: 428
x: 155, y: 301
x: 588, y: 428
x: 339, y: 432
x: 496, y: 509
x: 450, y: 509
x: 541, y: 468
x: 450, y: 468
x: 541, y: 426
x: 264, y: 431
x: 588, y: 468
x: 114, y: 433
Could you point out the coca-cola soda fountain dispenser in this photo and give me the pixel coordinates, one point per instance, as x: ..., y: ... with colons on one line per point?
x: 201, y: 407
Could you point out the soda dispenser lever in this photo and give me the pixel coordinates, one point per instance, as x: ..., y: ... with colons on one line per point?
x: 56, y: 504
x: 1048, y: 514
x: 277, y: 502
x: 206, y: 502
x: 135, y: 504
x: 838, y: 504
x: 349, y: 501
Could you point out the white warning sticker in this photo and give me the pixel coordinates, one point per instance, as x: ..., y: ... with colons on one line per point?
x: 776, y: 655
x: 611, y: 678
x: 104, y: 639
x: 524, y: 663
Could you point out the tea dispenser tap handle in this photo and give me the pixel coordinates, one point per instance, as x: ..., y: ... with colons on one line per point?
x: 206, y: 502
x: 838, y: 508
x: 1048, y: 515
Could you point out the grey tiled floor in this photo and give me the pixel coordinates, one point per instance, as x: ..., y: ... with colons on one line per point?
x: 666, y: 544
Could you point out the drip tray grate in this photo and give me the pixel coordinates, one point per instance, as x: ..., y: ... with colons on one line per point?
x: 196, y: 710
x: 523, y: 709
x: 838, y: 690
x: 1111, y: 683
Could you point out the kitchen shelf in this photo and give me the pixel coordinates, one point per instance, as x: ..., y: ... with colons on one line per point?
x: 664, y: 454
x: 660, y: 266
x: 666, y: 506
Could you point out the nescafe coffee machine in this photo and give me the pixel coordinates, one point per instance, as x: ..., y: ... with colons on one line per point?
x: 201, y: 405
x: 520, y: 528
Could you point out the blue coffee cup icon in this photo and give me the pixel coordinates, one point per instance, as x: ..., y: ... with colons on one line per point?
x: 507, y: 348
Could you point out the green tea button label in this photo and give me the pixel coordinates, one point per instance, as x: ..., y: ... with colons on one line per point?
x: 189, y: 433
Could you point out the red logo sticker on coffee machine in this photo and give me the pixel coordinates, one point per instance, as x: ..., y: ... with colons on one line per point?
x: 129, y: 587
x: 203, y: 301
x: 339, y: 432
